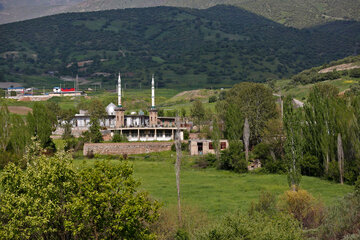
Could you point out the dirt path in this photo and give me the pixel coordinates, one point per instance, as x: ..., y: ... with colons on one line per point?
x: 19, y: 110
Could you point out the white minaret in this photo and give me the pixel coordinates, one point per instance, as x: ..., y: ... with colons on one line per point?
x: 119, y: 91
x: 152, y: 92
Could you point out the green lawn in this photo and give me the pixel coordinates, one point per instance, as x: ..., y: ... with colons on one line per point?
x: 216, y: 192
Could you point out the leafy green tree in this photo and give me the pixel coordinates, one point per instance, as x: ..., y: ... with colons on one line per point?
x: 97, y: 110
x: 293, y: 143
x: 320, y: 130
x: 5, y: 125
x: 216, y: 136
x: 108, y: 205
x: 50, y: 200
x: 67, y: 131
x: 95, y: 134
x: 197, y: 113
x: 20, y: 137
x: 34, y: 202
x: 2, y: 93
x: 252, y: 101
x: 41, y: 125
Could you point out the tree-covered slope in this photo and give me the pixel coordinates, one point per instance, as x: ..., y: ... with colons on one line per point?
x: 186, y: 48
x: 296, y: 13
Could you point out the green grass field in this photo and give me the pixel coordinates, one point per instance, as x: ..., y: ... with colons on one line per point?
x: 215, y: 192
x: 301, y: 92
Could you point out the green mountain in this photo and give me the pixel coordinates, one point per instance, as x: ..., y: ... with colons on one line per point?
x: 185, y: 48
x: 295, y: 13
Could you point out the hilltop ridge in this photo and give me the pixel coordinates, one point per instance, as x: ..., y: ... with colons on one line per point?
x: 295, y: 13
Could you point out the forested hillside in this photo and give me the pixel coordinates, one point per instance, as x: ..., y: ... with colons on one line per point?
x: 186, y: 48
x: 296, y: 13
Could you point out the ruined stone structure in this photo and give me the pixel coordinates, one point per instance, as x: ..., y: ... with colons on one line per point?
x: 203, y: 146
x: 126, y: 148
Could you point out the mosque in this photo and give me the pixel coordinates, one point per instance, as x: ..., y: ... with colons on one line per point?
x: 135, y: 127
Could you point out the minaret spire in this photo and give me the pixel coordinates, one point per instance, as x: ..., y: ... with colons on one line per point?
x: 119, y: 91
x: 153, y: 92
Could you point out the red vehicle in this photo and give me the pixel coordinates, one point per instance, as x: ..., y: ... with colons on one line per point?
x: 67, y: 89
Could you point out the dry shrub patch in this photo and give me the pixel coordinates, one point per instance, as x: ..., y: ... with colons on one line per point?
x: 303, y: 207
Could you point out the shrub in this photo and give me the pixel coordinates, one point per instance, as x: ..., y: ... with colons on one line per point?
x: 168, y: 227
x: 310, y: 166
x: 266, y: 203
x: 233, y: 158
x: 212, y: 99
x: 258, y: 226
x: 342, y: 219
x: 303, y: 207
x: 186, y: 135
x: 90, y: 154
x: 355, y: 73
x: 119, y: 138
x: 208, y: 160
x: 184, y: 147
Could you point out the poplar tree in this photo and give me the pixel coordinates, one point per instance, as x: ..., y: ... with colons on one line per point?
x: 197, y: 113
x: 5, y: 123
x: 40, y: 125
x: 246, y: 138
x: 293, y: 144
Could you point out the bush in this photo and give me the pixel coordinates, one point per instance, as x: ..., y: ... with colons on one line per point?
x: 119, y: 138
x: 310, y: 166
x: 212, y: 99
x: 168, y: 227
x: 90, y: 154
x: 50, y: 200
x: 303, y: 207
x: 186, y: 135
x: 266, y: 203
x: 355, y: 73
x: 233, y: 158
x: 342, y: 219
x: 208, y: 160
x: 184, y: 147
x: 357, y: 187
x: 6, y: 158
x: 74, y: 144
x: 259, y: 226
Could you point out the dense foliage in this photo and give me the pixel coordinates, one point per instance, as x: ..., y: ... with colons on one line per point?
x: 190, y: 48
x: 50, y: 200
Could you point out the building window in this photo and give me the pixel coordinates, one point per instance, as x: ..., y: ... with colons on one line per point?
x: 223, y: 145
x: 211, y: 145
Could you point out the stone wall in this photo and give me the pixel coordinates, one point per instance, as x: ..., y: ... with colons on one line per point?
x: 126, y: 148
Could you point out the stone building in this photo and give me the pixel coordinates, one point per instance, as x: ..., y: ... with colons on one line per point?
x: 205, y: 146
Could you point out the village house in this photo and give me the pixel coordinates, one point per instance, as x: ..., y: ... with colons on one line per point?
x: 205, y: 146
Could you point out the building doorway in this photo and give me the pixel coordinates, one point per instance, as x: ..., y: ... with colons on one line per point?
x: 200, y: 148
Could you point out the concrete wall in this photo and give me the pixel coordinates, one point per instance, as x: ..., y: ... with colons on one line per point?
x: 126, y: 148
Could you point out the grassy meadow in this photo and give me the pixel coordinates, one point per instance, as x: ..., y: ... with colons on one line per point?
x: 213, y: 191
x: 301, y: 92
